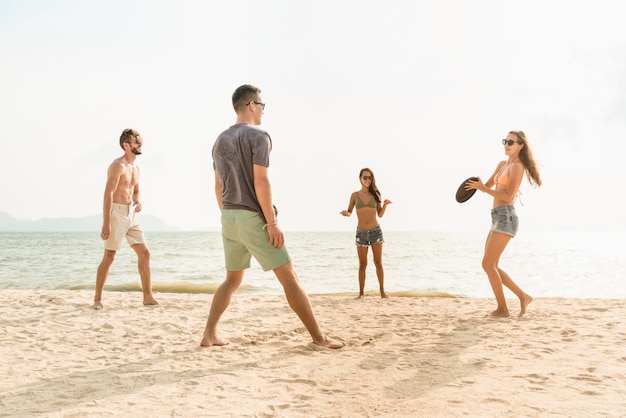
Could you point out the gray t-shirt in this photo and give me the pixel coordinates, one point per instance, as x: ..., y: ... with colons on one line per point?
x: 235, y: 152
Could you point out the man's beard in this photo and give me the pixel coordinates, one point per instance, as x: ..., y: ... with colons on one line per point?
x: 136, y: 151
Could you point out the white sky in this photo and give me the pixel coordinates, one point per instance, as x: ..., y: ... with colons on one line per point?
x: 422, y: 92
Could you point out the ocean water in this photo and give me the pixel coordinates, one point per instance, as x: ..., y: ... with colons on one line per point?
x: 575, y: 264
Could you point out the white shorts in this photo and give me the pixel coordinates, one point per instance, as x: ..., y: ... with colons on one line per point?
x: 123, y: 225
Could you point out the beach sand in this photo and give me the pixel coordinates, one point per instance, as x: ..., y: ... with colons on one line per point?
x: 405, y: 356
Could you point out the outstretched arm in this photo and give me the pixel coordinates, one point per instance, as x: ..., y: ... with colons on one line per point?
x: 350, y: 205
x: 382, y: 208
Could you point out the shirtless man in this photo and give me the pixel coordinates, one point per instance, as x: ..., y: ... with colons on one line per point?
x: 121, y: 203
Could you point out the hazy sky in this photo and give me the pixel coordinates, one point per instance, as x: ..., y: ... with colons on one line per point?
x: 422, y: 92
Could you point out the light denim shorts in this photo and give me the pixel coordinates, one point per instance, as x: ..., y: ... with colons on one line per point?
x: 366, y: 237
x: 504, y: 220
x: 244, y: 235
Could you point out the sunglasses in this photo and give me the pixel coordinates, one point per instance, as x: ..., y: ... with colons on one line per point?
x: 136, y: 141
x: 259, y: 103
x: 509, y: 142
x: 366, y: 177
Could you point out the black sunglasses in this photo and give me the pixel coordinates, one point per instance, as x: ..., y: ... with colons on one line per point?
x: 259, y: 103
x: 509, y: 142
x: 366, y: 177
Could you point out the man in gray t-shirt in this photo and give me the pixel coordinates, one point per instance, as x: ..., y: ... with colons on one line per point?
x: 249, y: 218
x: 235, y: 153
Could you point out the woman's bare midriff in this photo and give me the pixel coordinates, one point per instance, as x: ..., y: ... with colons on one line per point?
x: 367, y: 218
x: 499, y: 202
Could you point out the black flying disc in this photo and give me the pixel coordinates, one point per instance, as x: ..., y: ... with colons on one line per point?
x: 463, y: 195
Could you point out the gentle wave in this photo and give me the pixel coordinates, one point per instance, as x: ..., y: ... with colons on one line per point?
x: 179, y: 287
x: 579, y: 264
x: 205, y: 288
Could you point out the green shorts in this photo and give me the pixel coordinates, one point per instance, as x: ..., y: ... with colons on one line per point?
x: 244, y: 235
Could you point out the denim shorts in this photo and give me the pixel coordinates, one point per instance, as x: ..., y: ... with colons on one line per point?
x: 365, y: 237
x: 244, y: 236
x: 504, y: 220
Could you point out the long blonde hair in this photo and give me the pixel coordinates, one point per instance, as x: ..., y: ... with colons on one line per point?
x: 527, y: 158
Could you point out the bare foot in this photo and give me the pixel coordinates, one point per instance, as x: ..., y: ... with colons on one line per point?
x: 97, y: 305
x: 150, y: 301
x: 209, y: 342
x: 500, y: 313
x: 328, y: 343
x: 524, y: 302
x: 360, y: 297
x: 384, y: 295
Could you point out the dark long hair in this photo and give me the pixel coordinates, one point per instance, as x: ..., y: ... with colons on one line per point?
x: 373, y: 189
x: 527, y: 158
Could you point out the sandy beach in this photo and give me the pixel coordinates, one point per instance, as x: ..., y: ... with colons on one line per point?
x: 405, y: 356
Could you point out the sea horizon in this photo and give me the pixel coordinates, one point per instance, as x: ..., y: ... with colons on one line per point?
x: 579, y: 264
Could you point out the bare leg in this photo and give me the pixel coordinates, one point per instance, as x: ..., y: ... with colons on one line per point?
x: 361, y: 250
x: 495, y: 245
x: 377, y: 252
x: 101, y: 277
x: 221, y: 300
x: 301, y: 305
x: 143, y: 265
x: 524, y: 298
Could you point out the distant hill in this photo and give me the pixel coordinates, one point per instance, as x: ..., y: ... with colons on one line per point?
x: 86, y: 223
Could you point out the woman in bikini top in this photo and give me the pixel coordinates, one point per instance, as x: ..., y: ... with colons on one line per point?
x: 372, y: 203
x: 367, y: 202
x: 506, y: 178
x: 502, y: 178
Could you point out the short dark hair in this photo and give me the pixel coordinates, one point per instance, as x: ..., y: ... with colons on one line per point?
x: 245, y: 94
x: 127, y: 135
